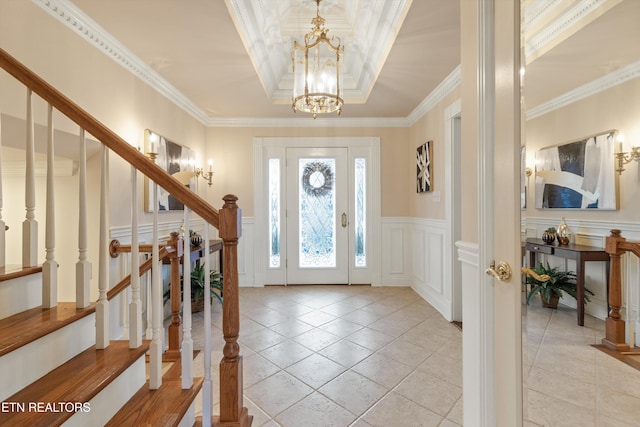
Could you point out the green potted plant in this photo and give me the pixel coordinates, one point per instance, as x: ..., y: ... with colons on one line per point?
x: 551, y: 283
x: 198, y: 283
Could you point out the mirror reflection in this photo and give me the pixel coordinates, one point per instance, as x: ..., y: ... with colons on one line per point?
x: 581, y: 79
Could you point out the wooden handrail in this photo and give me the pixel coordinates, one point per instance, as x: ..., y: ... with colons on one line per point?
x: 125, y: 282
x: 108, y: 138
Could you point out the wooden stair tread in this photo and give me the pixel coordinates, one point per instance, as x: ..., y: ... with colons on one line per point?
x: 30, y: 325
x: 78, y: 380
x: 9, y: 272
x: 165, y: 406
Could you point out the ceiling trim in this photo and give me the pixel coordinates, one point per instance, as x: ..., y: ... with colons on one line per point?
x: 335, y: 122
x: 551, y: 35
x: 448, y: 85
x: 630, y: 72
x: 68, y: 14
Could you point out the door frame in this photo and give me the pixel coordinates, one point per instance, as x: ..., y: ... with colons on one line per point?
x: 265, y: 148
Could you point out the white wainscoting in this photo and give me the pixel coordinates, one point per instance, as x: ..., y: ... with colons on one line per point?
x: 594, y: 233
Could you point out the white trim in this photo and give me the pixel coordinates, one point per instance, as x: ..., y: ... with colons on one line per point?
x: 62, y: 167
x: 623, y: 75
x: 77, y: 21
x: 446, y: 86
x: 273, y: 147
x: 452, y: 212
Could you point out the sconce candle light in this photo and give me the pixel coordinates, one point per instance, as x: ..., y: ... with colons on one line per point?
x: 208, y: 176
x: 623, y: 158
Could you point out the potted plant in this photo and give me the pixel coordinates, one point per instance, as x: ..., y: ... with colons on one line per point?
x: 197, y: 281
x: 551, y: 283
x: 549, y: 235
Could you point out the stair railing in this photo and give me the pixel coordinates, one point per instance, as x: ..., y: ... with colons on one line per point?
x: 615, y: 332
x: 227, y: 220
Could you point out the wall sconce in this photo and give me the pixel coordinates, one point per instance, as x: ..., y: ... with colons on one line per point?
x: 208, y: 176
x: 151, y: 142
x: 624, y: 158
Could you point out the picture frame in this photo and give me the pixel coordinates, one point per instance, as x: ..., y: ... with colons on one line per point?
x: 578, y: 174
x: 173, y: 158
x: 424, y: 178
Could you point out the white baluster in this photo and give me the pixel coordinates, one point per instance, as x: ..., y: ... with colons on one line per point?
x: 30, y: 225
x: 155, y: 362
x: 186, y: 355
x: 83, y: 266
x: 50, y: 266
x: 2, y: 223
x: 102, y: 306
x: 135, y: 307
x: 207, y: 395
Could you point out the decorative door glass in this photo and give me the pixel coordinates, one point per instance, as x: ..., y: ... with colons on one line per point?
x: 274, y: 213
x: 317, y: 215
x: 360, y: 212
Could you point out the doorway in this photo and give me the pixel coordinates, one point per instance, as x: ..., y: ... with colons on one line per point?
x: 317, y: 211
x: 317, y: 219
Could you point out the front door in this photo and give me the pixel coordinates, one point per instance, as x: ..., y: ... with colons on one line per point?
x: 317, y: 216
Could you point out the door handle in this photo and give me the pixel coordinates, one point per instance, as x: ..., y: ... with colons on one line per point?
x: 502, y: 272
x: 344, y: 220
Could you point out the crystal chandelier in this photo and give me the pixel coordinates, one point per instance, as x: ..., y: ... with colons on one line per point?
x: 317, y: 71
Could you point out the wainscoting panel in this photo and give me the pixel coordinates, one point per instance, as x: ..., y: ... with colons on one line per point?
x: 395, y: 248
x: 594, y: 233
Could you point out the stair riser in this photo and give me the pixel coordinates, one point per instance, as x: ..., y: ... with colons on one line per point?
x: 20, y: 294
x: 190, y: 417
x: 107, y: 403
x: 23, y: 366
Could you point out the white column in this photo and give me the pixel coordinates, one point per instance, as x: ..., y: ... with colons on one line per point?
x: 187, y: 343
x: 2, y: 223
x: 83, y: 266
x: 50, y: 266
x: 135, y: 307
x: 207, y: 395
x: 30, y: 225
x: 102, y: 306
x: 155, y: 362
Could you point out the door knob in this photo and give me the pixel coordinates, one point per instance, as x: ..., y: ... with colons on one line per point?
x: 502, y: 272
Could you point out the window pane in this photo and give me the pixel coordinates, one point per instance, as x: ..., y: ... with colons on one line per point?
x: 360, y: 212
x: 274, y: 213
x: 317, y: 216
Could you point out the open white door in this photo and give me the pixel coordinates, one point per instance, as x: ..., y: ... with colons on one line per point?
x: 492, y: 362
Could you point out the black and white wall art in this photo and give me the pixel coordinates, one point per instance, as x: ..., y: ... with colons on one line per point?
x: 578, y: 175
x: 424, y: 157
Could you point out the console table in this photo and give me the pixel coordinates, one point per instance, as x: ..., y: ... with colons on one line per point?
x: 580, y: 254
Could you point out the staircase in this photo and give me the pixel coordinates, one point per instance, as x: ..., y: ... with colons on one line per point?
x: 61, y: 362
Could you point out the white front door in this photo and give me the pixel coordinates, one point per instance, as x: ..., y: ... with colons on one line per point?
x: 317, y: 216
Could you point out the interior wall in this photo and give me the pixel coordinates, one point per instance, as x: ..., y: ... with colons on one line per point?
x: 231, y: 149
x: 598, y: 113
x: 430, y: 127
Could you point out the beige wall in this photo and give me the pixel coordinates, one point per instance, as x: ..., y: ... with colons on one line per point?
x: 614, y: 108
x: 232, y: 151
x: 430, y: 127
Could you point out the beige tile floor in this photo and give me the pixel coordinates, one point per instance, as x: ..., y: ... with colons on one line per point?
x: 382, y: 356
x: 571, y: 383
x: 344, y: 356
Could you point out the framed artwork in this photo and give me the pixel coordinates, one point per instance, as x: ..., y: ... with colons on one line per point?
x: 173, y: 158
x: 578, y: 175
x: 424, y: 155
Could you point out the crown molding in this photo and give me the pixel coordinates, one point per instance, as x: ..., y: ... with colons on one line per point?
x: 537, y: 44
x: 448, y: 85
x: 335, y: 122
x: 73, y: 18
x: 631, y: 71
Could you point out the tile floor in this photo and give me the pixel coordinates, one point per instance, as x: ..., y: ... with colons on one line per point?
x: 362, y: 356
x: 571, y: 383
x: 344, y: 356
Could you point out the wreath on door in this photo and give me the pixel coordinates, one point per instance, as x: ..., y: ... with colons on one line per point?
x: 317, y: 179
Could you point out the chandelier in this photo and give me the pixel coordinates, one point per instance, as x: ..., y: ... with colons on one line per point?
x: 317, y: 71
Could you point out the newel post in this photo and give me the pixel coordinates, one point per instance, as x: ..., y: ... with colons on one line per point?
x: 615, y: 326
x: 232, y: 410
